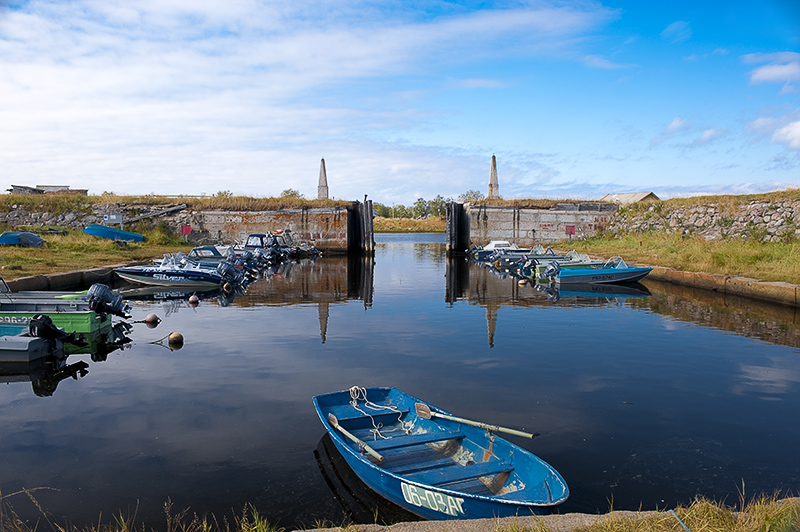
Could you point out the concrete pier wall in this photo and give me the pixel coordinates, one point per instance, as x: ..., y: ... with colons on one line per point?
x: 526, y: 227
x: 332, y: 230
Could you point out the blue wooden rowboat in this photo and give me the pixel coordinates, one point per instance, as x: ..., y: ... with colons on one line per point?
x: 433, y: 464
x: 113, y: 233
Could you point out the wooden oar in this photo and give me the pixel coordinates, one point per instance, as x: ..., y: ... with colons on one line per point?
x: 425, y: 412
x: 362, y: 444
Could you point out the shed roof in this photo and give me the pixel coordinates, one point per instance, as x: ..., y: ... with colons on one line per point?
x: 630, y: 197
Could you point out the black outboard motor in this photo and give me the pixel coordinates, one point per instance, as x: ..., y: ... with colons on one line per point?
x: 42, y: 326
x: 552, y: 270
x: 103, y: 301
x: 227, y: 271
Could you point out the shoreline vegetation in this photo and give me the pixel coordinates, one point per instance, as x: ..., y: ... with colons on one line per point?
x: 762, y: 513
x: 769, y: 261
x: 766, y: 261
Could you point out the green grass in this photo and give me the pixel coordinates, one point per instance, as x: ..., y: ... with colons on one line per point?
x: 64, y: 203
x: 79, y: 251
x: 408, y: 225
x: 762, y: 514
x: 767, y: 261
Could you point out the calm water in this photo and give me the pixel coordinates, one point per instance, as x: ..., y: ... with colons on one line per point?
x: 646, y: 400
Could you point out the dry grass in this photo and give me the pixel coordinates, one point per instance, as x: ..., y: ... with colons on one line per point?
x: 79, y: 251
x: 729, y: 202
x: 767, y: 261
x: 64, y: 203
x: 248, y: 521
x: 408, y: 225
x: 763, y: 514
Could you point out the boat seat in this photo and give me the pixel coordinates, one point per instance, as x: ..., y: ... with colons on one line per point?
x: 460, y: 473
x: 415, y: 466
x: 345, y: 413
x: 414, y: 439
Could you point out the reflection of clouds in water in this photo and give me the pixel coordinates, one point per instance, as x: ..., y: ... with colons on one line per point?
x: 671, y: 325
x: 777, y: 379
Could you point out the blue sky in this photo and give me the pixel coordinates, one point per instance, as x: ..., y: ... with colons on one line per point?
x: 403, y: 99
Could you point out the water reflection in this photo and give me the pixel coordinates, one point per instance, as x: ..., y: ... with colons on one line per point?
x: 360, y: 504
x: 493, y: 289
x: 46, y: 373
x: 778, y: 324
x: 773, y: 323
x: 643, y: 400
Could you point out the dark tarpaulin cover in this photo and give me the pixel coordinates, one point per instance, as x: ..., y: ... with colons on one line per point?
x: 21, y: 238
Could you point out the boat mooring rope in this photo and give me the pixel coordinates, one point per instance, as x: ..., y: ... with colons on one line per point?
x: 360, y: 393
x: 679, y: 520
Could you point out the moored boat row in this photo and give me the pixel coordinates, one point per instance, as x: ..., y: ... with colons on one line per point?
x: 546, y: 266
x: 230, y: 268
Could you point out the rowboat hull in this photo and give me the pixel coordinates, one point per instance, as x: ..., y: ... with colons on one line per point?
x: 112, y: 233
x: 440, y: 469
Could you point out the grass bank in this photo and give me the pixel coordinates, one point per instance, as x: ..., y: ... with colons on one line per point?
x: 223, y: 201
x: 79, y: 251
x: 766, y: 261
x: 408, y: 225
x: 764, y: 514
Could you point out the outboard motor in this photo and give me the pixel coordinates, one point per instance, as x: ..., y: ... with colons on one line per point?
x: 103, y: 301
x: 227, y: 271
x: 42, y: 326
x: 552, y: 270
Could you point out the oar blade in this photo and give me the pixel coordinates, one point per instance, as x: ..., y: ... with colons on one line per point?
x: 423, y: 411
x: 333, y: 421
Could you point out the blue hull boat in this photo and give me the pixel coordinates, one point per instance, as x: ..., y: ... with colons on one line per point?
x: 433, y: 464
x: 112, y: 233
x: 157, y: 276
x: 613, y: 271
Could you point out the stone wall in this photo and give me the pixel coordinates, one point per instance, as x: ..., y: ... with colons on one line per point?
x: 766, y: 221
x: 22, y: 215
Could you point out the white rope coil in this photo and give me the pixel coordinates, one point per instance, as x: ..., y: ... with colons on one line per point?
x: 359, y: 393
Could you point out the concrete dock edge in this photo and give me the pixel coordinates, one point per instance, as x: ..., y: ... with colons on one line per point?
x: 66, y: 280
x: 772, y: 291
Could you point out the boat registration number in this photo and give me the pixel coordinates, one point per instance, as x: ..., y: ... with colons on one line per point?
x: 438, y: 502
x: 17, y: 320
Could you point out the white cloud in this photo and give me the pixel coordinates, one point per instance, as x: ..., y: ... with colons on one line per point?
x: 782, y: 67
x: 598, y: 61
x: 789, y: 135
x: 677, y: 124
x: 479, y: 83
x: 776, y: 73
x: 709, y: 135
x: 781, y: 130
x: 677, y: 32
x: 197, y: 96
